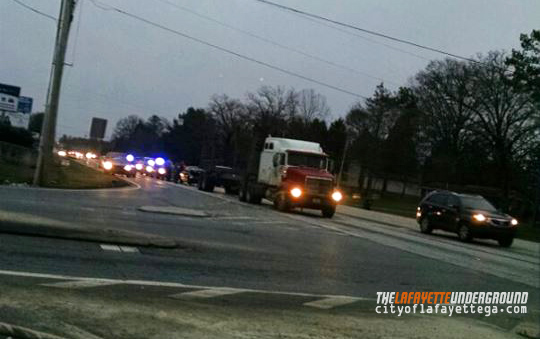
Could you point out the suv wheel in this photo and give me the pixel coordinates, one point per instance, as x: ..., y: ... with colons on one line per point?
x: 464, y: 233
x: 506, y: 242
x: 425, y: 226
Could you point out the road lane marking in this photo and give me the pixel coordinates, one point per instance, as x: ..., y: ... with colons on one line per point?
x: 233, y: 218
x: 129, y: 249
x: 207, y: 293
x: 79, y: 284
x: 116, y: 248
x: 188, y: 212
x: 328, y: 303
x: 169, y: 284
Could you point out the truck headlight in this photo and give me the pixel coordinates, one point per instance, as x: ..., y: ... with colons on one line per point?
x: 161, y: 170
x: 479, y: 217
x: 337, y: 196
x: 139, y: 167
x: 128, y: 168
x: 149, y: 169
x: 514, y: 222
x: 107, y: 165
x: 296, y: 192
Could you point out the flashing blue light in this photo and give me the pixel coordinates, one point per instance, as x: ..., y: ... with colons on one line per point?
x: 130, y: 157
x: 160, y: 161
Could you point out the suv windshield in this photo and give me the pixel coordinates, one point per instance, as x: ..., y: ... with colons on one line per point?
x: 308, y: 160
x: 477, y: 203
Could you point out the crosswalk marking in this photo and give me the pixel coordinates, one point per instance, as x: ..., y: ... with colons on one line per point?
x: 79, y: 284
x: 331, y: 302
x: 209, y: 293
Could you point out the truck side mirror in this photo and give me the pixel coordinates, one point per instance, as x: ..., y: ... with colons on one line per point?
x: 275, y: 160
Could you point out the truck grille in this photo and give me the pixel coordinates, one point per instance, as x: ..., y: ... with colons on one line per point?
x: 318, y: 186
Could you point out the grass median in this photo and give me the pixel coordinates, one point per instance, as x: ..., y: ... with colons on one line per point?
x: 71, y: 174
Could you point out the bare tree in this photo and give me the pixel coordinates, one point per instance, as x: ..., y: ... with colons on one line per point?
x: 505, y: 119
x: 125, y: 127
x: 232, y: 125
x: 270, y: 107
x: 444, y: 92
x: 312, y: 105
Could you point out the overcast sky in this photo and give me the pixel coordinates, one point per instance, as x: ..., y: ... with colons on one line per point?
x: 122, y: 66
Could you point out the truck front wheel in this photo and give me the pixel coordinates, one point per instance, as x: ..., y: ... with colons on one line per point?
x: 281, y: 203
x: 328, y: 211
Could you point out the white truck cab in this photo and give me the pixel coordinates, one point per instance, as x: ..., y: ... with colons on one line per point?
x: 274, y: 157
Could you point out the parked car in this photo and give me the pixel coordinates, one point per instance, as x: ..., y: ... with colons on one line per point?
x: 470, y: 216
x: 190, y: 175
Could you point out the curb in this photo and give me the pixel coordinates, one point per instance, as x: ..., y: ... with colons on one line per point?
x: 106, y: 235
x: 24, y: 333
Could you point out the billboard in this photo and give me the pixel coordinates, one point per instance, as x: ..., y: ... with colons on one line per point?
x: 25, y: 105
x: 9, y: 97
x: 97, y: 129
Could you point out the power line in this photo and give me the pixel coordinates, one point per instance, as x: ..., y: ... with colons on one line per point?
x: 335, y: 64
x: 403, y: 41
x: 34, y: 10
x: 367, y: 39
x: 228, y: 51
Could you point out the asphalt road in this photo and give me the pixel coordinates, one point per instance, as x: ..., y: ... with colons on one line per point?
x: 247, y: 256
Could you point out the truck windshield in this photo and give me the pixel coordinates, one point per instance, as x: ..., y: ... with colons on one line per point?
x: 308, y: 160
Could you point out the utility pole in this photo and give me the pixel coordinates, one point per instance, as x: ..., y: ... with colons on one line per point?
x: 48, y: 130
x: 343, y: 157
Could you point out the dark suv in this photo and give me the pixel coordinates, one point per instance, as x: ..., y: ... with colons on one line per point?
x: 470, y: 216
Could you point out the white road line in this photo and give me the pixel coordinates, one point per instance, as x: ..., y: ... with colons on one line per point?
x: 114, y: 248
x: 129, y: 249
x: 328, y: 303
x: 79, y: 284
x: 165, y: 284
x: 208, y: 293
x: 233, y: 218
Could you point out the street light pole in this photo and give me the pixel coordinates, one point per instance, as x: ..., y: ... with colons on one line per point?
x: 48, y: 128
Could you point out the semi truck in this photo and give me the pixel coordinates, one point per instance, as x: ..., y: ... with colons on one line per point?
x: 292, y: 174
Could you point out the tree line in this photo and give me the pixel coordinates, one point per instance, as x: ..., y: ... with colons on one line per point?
x: 456, y: 123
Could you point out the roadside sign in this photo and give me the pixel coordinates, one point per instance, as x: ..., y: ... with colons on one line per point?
x: 9, y: 97
x: 25, y: 105
x: 97, y: 129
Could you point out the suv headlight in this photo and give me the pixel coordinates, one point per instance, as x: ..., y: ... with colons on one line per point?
x: 479, y: 217
x: 514, y: 222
